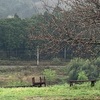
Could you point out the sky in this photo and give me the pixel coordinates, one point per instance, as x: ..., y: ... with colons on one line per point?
x: 51, y: 3
x: 40, y: 4
x: 47, y: 2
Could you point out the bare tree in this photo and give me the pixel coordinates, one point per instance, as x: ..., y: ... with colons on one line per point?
x: 74, y: 24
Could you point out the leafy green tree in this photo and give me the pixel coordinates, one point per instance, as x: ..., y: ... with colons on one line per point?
x: 50, y: 75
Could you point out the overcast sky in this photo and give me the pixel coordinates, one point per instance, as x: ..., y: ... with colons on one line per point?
x: 52, y: 3
x: 39, y: 3
x: 48, y: 2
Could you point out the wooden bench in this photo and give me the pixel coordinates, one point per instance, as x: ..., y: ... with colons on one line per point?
x: 40, y: 83
x: 71, y: 82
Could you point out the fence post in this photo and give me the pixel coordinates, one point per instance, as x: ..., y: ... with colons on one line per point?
x: 33, y: 81
x: 37, y: 55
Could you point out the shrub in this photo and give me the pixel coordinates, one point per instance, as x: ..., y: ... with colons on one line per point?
x: 50, y: 75
x: 80, y: 66
x: 97, y: 61
x: 82, y: 76
x: 61, y: 79
x: 97, y: 64
x: 74, y: 68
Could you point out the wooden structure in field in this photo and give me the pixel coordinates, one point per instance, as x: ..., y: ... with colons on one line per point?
x: 71, y: 82
x: 42, y: 82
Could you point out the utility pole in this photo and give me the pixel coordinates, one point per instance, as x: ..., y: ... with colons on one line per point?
x: 65, y: 53
x: 38, y: 56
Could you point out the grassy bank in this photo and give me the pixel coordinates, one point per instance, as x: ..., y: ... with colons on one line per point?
x: 57, y: 92
x: 22, y: 75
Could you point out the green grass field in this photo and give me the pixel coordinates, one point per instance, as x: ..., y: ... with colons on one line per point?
x: 56, y: 92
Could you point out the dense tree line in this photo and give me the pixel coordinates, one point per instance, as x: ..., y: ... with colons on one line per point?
x: 13, y: 37
x: 15, y: 41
